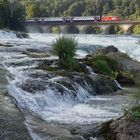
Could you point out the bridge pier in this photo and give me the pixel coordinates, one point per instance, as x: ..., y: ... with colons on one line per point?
x: 105, y: 28
x: 37, y: 29
x: 62, y: 28
x: 82, y: 28
x: 46, y: 29
x: 34, y: 28
x: 126, y: 28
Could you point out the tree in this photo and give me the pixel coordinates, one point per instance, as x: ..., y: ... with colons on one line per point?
x: 76, y: 9
x: 12, y: 15
x: 106, y: 8
x: 33, y: 10
x: 17, y: 16
x: 4, y: 13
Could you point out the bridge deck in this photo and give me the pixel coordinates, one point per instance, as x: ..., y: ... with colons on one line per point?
x: 83, y: 22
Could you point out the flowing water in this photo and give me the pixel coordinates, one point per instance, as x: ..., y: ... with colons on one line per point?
x: 41, y: 93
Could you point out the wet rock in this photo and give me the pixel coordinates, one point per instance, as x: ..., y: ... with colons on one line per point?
x: 97, y: 84
x: 110, y: 61
x: 125, y: 80
x: 12, y: 125
x: 36, y: 54
x: 35, y: 50
x: 33, y: 86
x: 22, y: 35
x: 6, y: 45
x: 126, y: 64
x: 122, y: 129
x: 106, y: 50
x: 51, y: 131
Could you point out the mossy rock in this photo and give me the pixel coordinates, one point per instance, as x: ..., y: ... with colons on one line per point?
x: 102, y: 64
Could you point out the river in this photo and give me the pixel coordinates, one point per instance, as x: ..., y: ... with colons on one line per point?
x: 40, y: 101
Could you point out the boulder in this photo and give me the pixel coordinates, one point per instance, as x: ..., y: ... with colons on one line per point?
x: 121, y: 129
x: 125, y: 80
x: 106, y: 50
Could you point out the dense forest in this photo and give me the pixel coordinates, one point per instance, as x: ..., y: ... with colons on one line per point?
x: 46, y: 8
x: 126, y: 9
x: 12, y: 12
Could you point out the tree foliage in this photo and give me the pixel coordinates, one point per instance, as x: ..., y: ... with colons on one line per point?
x: 12, y: 14
x: 126, y: 9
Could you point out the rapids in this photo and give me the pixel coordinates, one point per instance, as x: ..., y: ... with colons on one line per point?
x: 41, y: 93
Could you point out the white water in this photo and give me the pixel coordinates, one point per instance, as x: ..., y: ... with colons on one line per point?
x: 126, y: 44
x: 48, y: 103
x: 4, y: 35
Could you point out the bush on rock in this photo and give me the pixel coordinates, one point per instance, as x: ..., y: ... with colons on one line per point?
x: 65, y: 49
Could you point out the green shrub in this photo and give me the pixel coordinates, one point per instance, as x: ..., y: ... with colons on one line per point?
x: 135, y: 111
x: 65, y: 49
x: 103, y: 67
x: 103, y: 64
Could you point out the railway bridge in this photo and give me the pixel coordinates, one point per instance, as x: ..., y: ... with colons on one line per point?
x: 79, y: 25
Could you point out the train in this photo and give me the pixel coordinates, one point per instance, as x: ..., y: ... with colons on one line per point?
x: 76, y: 19
x: 92, y: 18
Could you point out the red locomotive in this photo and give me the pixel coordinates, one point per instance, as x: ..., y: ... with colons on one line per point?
x: 110, y: 18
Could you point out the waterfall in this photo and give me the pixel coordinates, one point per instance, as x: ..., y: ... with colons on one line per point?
x: 56, y: 96
x: 7, y: 35
x: 118, y: 85
x: 90, y: 70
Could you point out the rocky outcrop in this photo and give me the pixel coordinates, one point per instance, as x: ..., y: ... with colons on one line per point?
x: 62, y: 80
x: 127, y: 69
x: 106, y: 50
x: 22, y: 35
x: 121, y: 129
x: 12, y: 126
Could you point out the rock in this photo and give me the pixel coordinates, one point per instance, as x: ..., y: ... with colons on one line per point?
x: 12, y: 125
x: 109, y: 60
x: 5, y: 45
x: 125, y: 80
x: 33, y: 85
x: 91, y: 138
x: 22, y: 35
x: 97, y: 84
x: 106, y: 50
x: 126, y: 64
x: 122, y: 129
x: 51, y: 131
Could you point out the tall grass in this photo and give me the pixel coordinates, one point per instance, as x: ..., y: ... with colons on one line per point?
x: 65, y: 48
